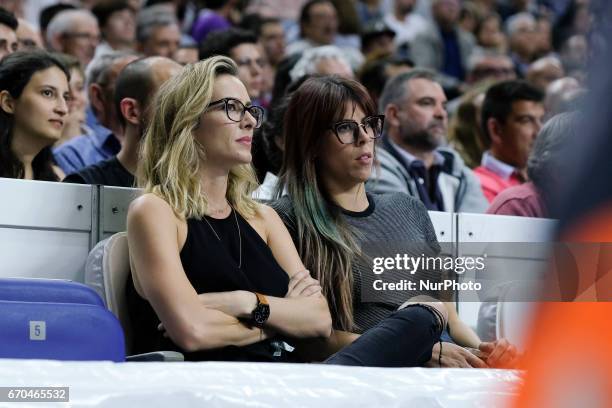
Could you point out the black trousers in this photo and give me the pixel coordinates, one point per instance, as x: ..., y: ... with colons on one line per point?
x: 404, y: 339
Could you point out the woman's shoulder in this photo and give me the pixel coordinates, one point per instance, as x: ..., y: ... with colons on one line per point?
x: 152, y: 215
x: 283, y: 205
x: 151, y: 206
x: 268, y: 219
x: 265, y: 212
x: 149, y: 201
x: 274, y: 210
x: 284, y: 208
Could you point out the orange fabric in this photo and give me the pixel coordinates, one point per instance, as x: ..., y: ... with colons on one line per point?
x: 569, y: 357
x: 569, y: 352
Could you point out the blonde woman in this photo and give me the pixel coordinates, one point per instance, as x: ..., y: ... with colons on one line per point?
x: 217, y: 269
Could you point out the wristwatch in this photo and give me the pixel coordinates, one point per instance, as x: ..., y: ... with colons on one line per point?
x: 262, y: 311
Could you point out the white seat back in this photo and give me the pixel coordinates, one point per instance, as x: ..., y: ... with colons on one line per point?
x: 514, y: 317
x: 107, y: 272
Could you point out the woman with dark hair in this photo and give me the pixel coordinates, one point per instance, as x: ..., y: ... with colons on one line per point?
x: 216, y: 268
x: 271, y: 141
x: 489, y: 34
x: 340, y: 231
x: 34, y: 97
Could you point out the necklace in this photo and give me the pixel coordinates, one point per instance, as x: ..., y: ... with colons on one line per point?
x: 219, y: 211
x: 239, y: 236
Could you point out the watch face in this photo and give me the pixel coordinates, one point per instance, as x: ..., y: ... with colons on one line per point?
x: 261, y: 313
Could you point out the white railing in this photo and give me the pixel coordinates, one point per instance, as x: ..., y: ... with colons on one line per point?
x: 47, y: 230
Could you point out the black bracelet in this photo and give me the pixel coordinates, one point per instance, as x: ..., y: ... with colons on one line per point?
x: 440, y: 355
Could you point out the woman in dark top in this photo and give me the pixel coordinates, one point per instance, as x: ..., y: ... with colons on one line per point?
x: 216, y: 268
x: 34, y: 97
x: 330, y: 128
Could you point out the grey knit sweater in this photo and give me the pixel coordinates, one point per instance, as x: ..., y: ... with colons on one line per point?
x: 394, y: 223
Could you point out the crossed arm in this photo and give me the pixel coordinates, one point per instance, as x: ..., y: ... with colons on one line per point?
x: 214, y: 320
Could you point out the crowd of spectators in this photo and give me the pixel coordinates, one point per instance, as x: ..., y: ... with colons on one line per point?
x: 457, y: 106
x: 486, y: 75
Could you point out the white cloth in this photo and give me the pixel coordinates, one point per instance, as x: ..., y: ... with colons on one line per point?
x: 117, y: 385
x: 407, y: 30
x: 353, y: 55
x: 497, y: 166
x: 103, y: 48
x: 422, y: 7
x: 266, y: 190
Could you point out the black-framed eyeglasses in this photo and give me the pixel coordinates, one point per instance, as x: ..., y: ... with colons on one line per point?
x: 347, y: 131
x: 235, y: 110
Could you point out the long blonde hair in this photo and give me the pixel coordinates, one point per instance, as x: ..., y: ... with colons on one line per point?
x: 169, y: 166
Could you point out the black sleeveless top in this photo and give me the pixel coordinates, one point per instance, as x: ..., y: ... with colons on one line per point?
x: 211, y: 265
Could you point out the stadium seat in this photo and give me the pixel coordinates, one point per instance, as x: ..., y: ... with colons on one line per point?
x: 107, y: 271
x: 59, y: 331
x: 47, y: 290
x: 513, y: 315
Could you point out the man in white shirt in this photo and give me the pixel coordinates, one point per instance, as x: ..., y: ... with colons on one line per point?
x: 319, y: 26
x: 405, y: 22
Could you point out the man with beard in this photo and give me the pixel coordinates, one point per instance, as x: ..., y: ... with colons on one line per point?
x: 134, y: 93
x: 512, y: 115
x: 412, y: 159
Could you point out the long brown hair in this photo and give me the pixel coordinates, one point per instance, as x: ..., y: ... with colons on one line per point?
x: 16, y: 71
x: 326, y: 243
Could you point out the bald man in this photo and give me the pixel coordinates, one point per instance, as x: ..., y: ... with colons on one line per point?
x: 134, y: 92
x: 27, y: 36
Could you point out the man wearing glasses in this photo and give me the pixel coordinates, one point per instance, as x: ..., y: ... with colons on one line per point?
x: 242, y: 47
x: 412, y: 159
x: 74, y: 32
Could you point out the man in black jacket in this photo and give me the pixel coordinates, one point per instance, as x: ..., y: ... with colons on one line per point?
x: 135, y: 90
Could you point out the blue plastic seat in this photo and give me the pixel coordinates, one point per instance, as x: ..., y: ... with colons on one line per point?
x: 59, y: 331
x: 47, y: 290
x: 75, y: 317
